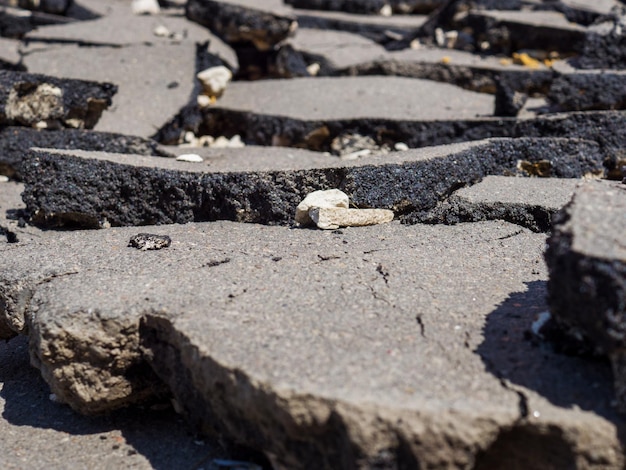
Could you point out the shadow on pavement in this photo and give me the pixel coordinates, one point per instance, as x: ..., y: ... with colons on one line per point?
x: 162, y: 437
x: 509, y: 352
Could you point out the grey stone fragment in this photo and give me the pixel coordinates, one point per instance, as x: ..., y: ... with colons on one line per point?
x: 237, y: 21
x: 10, y: 58
x: 15, y: 142
x: 529, y: 202
x: 586, y: 257
x: 40, y: 100
x: 117, y: 191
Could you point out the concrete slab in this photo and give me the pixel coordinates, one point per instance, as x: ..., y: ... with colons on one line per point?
x: 529, y: 202
x: 15, y: 142
x: 10, y: 58
x: 318, y: 365
x: 370, y: 7
x: 122, y: 190
x: 244, y: 21
x: 359, y: 56
x: 45, y: 101
x: 380, y: 29
x: 586, y: 256
x: 154, y: 83
x: 119, y: 27
x: 416, y: 112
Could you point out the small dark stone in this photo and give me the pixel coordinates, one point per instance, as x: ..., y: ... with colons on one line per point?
x: 149, y: 241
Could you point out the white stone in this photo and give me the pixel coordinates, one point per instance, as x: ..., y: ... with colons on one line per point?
x: 401, y: 146
x: 356, y: 155
x: 204, y: 101
x: 386, y: 11
x: 145, y: 7
x: 161, y: 31
x: 214, y: 80
x: 4, y: 179
x: 190, y: 157
x: 322, y: 198
x: 329, y: 218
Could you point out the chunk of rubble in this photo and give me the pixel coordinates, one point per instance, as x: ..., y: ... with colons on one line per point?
x: 300, y: 387
x: 215, y: 80
x: 329, y: 210
x: 529, y: 202
x: 586, y: 257
x: 57, y: 7
x: 116, y: 190
x: 330, y: 218
x: 16, y: 22
x: 370, y: 7
x: 244, y: 21
x: 43, y: 101
x: 320, y: 198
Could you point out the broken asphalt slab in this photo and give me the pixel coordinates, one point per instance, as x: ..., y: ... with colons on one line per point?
x: 529, y: 202
x: 380, y: 29
x: 283, y: 359
x: 153, y: 62
x: 416, y: 112
x: 16, y: 141
x: 244, y: 21
x: 36, y: 100
x: 361, y: 56
x: 91, y: 189
x: 586, y: 256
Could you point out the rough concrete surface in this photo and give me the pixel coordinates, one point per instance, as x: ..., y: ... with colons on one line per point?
x: 403, y: 345
x: 283, y: 359
x: 91, y: 189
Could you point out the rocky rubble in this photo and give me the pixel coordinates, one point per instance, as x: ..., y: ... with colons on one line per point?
x: 162, y: 164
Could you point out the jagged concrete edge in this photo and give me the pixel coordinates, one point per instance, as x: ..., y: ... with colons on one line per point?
x: 456, y: 210
x: 295, y: 430
x: 269, y: 197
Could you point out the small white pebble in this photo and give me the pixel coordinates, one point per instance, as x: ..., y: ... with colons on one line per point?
x: 356, y: 155
x: 313, y: 69
x: 236, y: 142
x: 401, y: 146
x: 190, y: 157
x: 4, y: 179
x: 145, y: 7
x: 536, y: 414
x: 386, y: 11
x: 204, y: 101
x: 189, y: 137
x: 161, y: 31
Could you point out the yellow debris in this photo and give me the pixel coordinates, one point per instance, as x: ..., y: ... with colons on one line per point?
x: 506, y: 61
x: 445, y: 59
x: 525, y: 60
